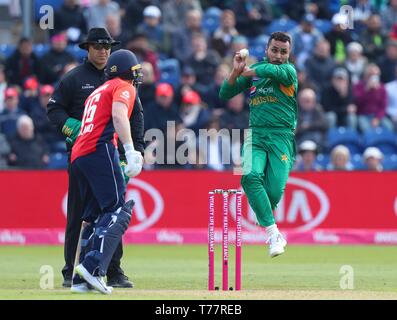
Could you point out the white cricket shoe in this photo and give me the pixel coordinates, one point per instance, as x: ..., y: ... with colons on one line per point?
x: 82, y: 288
x: 96, y: 282
x: 277, y: 244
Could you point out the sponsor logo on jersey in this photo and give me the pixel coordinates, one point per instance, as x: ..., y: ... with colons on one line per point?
x: 125, y: 94
x: 87, y: 86
x: 266, y: 90
x: 252, y: 91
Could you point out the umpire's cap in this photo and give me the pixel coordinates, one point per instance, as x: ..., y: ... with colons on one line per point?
x: 98, y: 35
x: 123, y: 63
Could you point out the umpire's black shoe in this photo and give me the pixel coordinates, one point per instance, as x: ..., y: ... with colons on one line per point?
x: 67, y: 283
x: 119, y: 281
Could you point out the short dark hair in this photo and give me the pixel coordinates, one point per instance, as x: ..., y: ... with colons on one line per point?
x: 24, y: 40
x: 138, y: 35
x: 279, y: 36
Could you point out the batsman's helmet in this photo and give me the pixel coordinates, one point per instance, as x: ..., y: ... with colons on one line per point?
x: 124, y: 64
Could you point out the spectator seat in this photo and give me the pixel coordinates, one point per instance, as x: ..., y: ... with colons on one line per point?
x: 6, y: 50
x: 169, y: 71
x: 41, y: 49
x: 211, y: 19
x: 390, y: 162
x: 281, y: 24
x: 257, y: 46
x: 76, y: 52
x: 323, y: 25
x: 345, y: 136
x: 58, y: 160
x: 323, y: 160
x: 381, y: 138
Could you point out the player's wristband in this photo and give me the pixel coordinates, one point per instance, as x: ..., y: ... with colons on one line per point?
x: 123, y: 164
x: 128, y: 147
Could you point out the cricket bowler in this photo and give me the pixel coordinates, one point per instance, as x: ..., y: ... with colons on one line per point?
x: 269, y: 147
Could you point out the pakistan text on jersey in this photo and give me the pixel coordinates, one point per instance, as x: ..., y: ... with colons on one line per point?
x: 266, y: 99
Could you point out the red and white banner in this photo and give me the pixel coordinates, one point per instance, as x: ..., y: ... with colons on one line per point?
x: 172, y: 207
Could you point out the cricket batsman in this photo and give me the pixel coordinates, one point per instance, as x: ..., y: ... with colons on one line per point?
x: 95, y: 161
x: 269, y: 148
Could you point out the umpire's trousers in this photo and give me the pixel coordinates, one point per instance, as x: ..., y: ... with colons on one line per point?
x: 72, y: 232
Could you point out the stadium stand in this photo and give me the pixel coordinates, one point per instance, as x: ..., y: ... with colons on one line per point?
x: 390, y: 162
x: 357, y: 161
x: 41, y: 49
x: 256, y: 45
x: 211, y: 19
x: 323, y: 25
x: 78, y: 54
x: 281, y: 24
x: 346, y: 136
x: 170, y: 72
x: 6, y: 50
x: 58, y: 160
x: 169, y: 67
x: 323, y: 160
x: 382, y: 138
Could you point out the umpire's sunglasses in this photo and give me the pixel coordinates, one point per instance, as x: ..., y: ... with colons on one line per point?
x: 100, y: 46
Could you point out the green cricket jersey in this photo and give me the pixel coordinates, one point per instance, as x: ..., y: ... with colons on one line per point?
x: 272, y: 95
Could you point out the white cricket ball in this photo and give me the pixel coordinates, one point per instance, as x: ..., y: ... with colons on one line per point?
x: 244, y: 53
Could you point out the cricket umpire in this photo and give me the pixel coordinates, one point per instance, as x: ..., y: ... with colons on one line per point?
x: 65, y: 110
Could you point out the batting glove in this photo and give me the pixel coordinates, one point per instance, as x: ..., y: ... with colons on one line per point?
x: 134, y: 161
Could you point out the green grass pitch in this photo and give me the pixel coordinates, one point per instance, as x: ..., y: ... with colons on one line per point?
x: 166, y: 272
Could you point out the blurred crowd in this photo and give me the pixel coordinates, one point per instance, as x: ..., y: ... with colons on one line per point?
x: 347, y: 98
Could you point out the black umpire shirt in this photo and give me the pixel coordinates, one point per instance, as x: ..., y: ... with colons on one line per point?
x: 72, y: 91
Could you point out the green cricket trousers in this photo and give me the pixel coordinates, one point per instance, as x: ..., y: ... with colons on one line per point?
x: 268, y: 157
